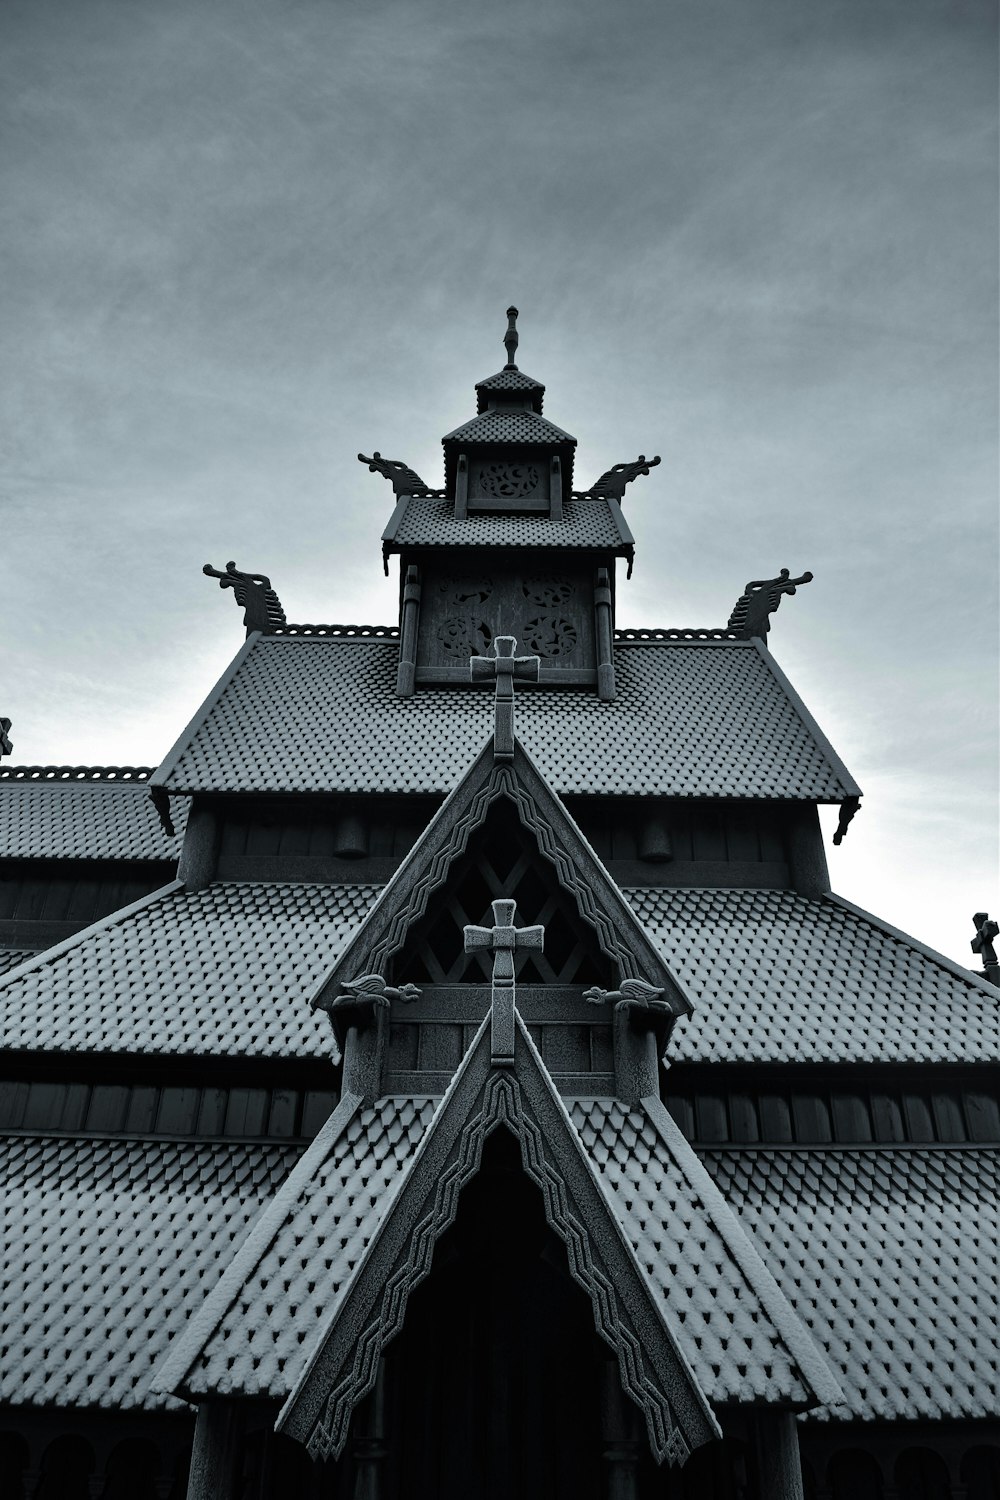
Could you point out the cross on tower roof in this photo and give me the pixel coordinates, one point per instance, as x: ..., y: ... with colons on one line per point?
x: 504, y: 666
x: 502, y: 939
x: 982, y: 944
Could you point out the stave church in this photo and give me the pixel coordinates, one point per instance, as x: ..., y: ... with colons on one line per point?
x: 450, y: 1073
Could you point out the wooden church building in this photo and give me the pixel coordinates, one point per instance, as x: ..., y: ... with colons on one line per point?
x: 450, y: 1073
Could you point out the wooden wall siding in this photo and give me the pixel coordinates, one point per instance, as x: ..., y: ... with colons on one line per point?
x: 423, y: 1055
x: 859, y: 1114
x: 704, y: 831
x: 228, y: 1112
x: 72, y: 893
x: 502, y: 860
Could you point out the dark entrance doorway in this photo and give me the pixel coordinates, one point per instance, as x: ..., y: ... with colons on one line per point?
x: 493, y: 1386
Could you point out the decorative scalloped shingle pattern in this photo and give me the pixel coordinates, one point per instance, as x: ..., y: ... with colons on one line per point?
x: 431, y: 523
x: 502, y: 426
x: 109, y: 1247
x: 705, y: 720
x: 83, y: 820
x: 509, y: 380
x: 890, y: 1259
x: 735, y: 1350
x: 12, y: 958
x: 227, y: 970
x: 776, y: 977
x: 268, y: 1330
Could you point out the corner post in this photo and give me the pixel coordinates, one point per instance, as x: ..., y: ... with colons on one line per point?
x: 406, y: 672
x: 364, y: 1056
x: 555, y: 489
x: 621, y: 1444
x: 217, y: 1433
x: 779, y: 1467
x: 200, y: 850
x: 807, y: 867
x: 370, y: 1448
x: 462, y: 488
x: 635, y: 1051
x: 605, y: 637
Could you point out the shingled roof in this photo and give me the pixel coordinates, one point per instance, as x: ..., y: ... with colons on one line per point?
x: 301, y: 1267
x: 587, y: 525
x: 71, y: 817
x: 225, y: 970
x: 890, y: 1259
x: 776, y: 993
x: 691, y: 719
x: 108, y: 1249
x: 802, y: 980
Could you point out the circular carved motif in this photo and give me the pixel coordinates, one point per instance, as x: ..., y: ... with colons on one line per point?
x: 547, y: 590
x: 467, y: 590
x: 550, y: 635
x: 508, y: 481
x: 464, y: 636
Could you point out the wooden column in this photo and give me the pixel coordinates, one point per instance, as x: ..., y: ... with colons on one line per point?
x: 365, y: 1048
x: 214, y: 1456
x: 806, y: 856
x: 462, y: 488
x: 622, y: 1441
x: 200, y: 850
x: 605, y: 637
x: 779, y: 1470
x: 555, y: 489
x: 370, y: 1447
x: 410, y: 619
x: 637, y: 1073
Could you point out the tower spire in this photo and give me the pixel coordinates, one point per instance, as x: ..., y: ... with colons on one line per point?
x: 510, y: 338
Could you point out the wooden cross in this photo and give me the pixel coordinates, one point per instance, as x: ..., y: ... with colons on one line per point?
x: 502, y: 939
x: 504, y: 666
x: 982, y: 944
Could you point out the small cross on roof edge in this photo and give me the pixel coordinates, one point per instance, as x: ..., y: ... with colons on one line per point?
x: 503, y: 666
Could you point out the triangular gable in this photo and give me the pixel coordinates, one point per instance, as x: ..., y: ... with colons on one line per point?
x: 578, y: 869
x: 371, y: 1310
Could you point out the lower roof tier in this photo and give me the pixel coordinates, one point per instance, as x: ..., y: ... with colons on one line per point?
x: 887, y: 1256
x: 773, y: 977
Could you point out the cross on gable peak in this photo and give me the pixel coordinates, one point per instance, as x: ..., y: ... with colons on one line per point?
x: 502, y: 667
x: 503, y: 939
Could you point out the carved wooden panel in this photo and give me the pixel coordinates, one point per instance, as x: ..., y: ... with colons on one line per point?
x: 550, y: 612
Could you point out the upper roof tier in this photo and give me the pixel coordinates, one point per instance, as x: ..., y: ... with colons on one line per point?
x: 692, y: 719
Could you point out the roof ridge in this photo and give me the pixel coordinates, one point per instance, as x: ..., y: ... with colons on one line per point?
x: 118, y: 774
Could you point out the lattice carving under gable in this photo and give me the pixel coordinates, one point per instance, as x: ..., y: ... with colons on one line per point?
x: 502, y: 859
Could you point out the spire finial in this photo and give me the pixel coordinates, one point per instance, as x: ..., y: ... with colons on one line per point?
x: 510, y: 338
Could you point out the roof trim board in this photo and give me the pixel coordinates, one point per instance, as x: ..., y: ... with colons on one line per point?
x: 599, y: 900
x: 823, y: 744
x: 173, y: 755
x: 813, y: 1367
x: 342, y: 1366
x: 173, y: 1372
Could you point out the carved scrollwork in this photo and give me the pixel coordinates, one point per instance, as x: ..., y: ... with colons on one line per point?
x: 549, y: 591
x: 508, y: 481
x: 464, y: 636
x: 551, y: 635
x: 475, y: 590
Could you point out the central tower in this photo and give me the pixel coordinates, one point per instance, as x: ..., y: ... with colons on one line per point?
x: 508, y: 547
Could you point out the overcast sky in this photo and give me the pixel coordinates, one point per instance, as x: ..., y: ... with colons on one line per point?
x: 242, y: 241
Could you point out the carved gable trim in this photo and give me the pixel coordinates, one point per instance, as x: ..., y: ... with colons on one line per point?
x: 344, y: 1363
x: 599, y: 901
